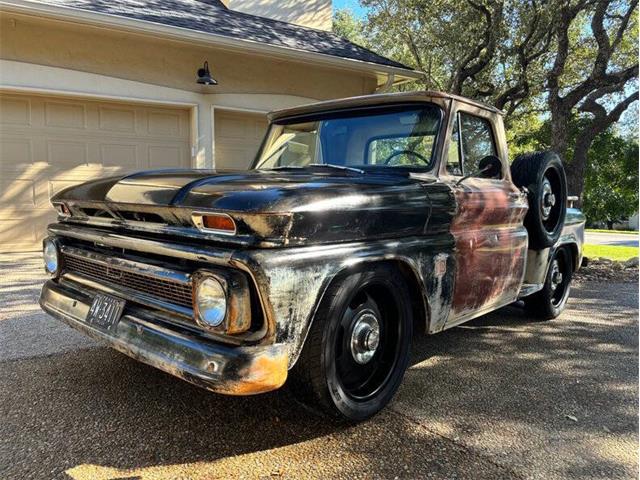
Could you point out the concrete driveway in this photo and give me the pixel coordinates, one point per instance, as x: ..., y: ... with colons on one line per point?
x: 501, y: 397
x: 617, y: 239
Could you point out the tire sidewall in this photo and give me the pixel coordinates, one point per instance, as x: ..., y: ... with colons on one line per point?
x: 557, y: 310
x: 381, y: 276
x: 529, y: 171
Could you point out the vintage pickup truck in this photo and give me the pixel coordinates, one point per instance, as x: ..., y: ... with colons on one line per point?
x: 362, y: 222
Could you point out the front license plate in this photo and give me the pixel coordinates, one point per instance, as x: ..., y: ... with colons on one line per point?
x: 105, y: 311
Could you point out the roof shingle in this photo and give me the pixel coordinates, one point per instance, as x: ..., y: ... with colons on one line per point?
x: 211, y: 16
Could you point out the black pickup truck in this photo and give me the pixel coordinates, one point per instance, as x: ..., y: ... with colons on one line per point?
x: 362, y: 222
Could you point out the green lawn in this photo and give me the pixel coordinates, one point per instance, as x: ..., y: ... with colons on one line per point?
x: 611, y: 252
x: 604, y: 230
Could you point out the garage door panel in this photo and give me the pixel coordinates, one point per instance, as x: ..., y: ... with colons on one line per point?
x: 165, y: 156
x: 117, y: 119
x: 237, y: 138
x: 67, y: 153
x: 164, y: 123
x: 65, y: 115
x: 15, y: 152
x: 15, y: 111
x: 17, y: 234
x: 17, y: 193
x: 50, y: 143
x: 119, y: 155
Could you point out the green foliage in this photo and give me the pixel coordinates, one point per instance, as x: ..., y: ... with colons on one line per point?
x: 346, y: 25
x: 611, y: 185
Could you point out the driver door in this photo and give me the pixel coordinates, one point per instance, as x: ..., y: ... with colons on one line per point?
x: 490, y: 239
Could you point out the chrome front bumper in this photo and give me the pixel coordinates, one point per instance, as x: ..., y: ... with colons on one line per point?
x: 214, y: 366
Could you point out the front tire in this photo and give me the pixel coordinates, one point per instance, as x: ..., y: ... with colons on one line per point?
x: 357, y: 350
x: 549, y: 302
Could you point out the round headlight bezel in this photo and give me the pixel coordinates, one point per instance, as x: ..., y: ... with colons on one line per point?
x: 210, y: 301
x: 51, y: 257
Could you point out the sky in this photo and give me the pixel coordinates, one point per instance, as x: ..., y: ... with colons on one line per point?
x: 353, y: 5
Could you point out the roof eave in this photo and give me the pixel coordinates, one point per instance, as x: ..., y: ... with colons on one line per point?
x: 143, y: 27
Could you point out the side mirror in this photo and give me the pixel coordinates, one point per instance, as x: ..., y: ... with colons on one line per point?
x: 489, y: 167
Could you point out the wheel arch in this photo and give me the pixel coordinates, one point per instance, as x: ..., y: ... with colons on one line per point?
x: 574, y: 253
x: 419, y: 303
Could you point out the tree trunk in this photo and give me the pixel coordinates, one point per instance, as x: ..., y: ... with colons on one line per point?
x: 577, y: 167
x: 559, y: 125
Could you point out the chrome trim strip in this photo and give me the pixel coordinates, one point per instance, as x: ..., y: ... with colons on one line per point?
x: 217, y: 256
x: 130, y: 266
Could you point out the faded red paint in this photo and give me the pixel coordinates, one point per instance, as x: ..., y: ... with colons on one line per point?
x: 490, y: 244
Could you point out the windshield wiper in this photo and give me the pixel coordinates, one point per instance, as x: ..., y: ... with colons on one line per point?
x: 324, y: 165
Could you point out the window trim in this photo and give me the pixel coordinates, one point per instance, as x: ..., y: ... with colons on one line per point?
x: 461, y: 153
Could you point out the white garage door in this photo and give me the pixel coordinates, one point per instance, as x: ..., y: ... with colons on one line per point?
x: 237, y: 138
x: 49, y: 143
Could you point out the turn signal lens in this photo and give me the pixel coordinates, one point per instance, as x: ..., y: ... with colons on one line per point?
x: 62, y: 209
x: 218, y: 222
x: 215, y: 222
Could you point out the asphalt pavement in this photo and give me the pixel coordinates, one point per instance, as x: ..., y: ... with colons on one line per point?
x: 499, y: 397
x: 614, y: 239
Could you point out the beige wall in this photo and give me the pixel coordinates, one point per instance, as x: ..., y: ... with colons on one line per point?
x: 168, y: 63
x: 309, y: 13
x: 61, y: 58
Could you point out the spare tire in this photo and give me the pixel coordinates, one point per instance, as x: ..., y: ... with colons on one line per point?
x: 543, y: 175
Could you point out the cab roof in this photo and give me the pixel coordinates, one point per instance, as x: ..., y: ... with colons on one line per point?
x: 373, y: 100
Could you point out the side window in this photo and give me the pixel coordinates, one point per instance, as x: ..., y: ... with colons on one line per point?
x: 454, y: 163
x: 477, y: 141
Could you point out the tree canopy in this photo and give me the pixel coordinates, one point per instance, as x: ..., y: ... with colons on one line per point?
x: 540, y: 61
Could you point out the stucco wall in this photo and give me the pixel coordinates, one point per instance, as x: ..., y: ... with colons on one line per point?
x: 168, y: 63
x: 54, y: 57
x: 309, y: 13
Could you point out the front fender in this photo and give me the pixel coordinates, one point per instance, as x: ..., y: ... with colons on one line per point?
x: 292, y: 281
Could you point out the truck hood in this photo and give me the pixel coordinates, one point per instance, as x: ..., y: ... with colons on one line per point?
x: 282, y: 206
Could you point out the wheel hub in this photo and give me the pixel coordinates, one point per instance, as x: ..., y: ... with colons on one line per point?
x: 548, y: 198
x: 556, y: 275
x: 365, y: 337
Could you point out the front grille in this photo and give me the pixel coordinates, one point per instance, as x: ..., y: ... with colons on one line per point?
x: 165, y: 290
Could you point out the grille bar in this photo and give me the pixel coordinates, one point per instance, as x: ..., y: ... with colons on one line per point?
x: 98, y: 269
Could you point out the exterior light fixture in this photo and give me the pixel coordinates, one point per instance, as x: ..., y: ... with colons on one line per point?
x: 204, y: 76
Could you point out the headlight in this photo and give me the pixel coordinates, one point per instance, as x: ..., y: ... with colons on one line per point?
x: 51, y: 257
x: 211, y: 302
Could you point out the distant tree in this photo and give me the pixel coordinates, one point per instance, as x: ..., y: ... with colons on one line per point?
x: 346, y: 25
x: 527, y: 57
x: 611, y: 186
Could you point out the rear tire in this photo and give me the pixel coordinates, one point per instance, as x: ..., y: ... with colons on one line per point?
x: 549, y: 302
x: 357, y: 349
x: 543, y: 175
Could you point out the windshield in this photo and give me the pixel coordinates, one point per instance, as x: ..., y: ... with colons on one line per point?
x: 399, y: 136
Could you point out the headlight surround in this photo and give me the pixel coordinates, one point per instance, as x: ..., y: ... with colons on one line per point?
x: 51, y: 256
x: 210, y: 301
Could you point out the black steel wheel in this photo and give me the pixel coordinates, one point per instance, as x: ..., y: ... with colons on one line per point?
x: 549, y: 302
x: 357, y: 350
